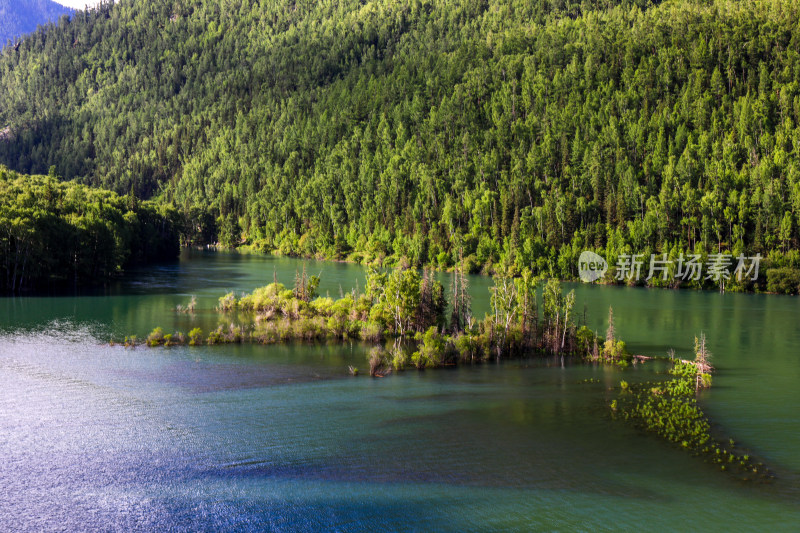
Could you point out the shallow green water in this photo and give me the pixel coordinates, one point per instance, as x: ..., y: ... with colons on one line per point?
x: 254, y: 437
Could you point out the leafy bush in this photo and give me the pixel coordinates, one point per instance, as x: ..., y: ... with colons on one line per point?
x: 371, y: 331
x: 156, y: 337
x: 399, y: 357
x: 431, y: 353
x: 784, y: 280
x: 227, y: 302
x: 195, y: 337
x: 377, y: 360
x: 216, y: 336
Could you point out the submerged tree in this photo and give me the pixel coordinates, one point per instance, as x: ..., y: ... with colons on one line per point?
x: 432, y: 303
x: 305, y: 287
x: 702, y: 361
x: 528, y: 309
x: 505, y: 306
x: 461, y: 301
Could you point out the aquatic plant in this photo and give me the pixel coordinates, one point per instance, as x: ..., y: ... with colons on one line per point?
x: 155, y: 338
x: 195, y: 337
x: 378, y: 364
x: 468, y: 347
x: 188, y: 308
x: 227, y: 302
x: 371, y: 331
x: 305, y: 287
x: 216, y: 336
x: 432, y: 352
x: 670, y: 410
x: 702, y: 363
x: 398, y: 356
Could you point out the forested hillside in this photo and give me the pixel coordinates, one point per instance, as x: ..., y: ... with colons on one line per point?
x: 18, y: 17
x: 53, y: 232
x: 516, y: 130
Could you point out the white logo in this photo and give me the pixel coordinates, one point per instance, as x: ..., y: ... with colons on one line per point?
x: 591, y: 266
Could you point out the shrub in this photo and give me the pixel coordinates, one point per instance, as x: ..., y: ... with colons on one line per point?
x: 399, y: 357
x: 215, y: 337
x: 264, y: 299
x: 266, y: 333
x: 234, y: 334
x: 156, y: 337
x: 339, y: 326
x: 195, y: 337
x: 322, y: 306
x: 178, y: 338
x: 783, y: 280
x: 309, y: 328
x: 467, y: 347
x: 431, y: 352
x: 283, y: 330
x: 371, y: 331
x: 586, y: 340
x: 227, y: 302
x: 377, y: 361
x: 615, y: 351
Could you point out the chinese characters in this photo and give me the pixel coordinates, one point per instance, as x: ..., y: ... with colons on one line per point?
x: 690, y: 268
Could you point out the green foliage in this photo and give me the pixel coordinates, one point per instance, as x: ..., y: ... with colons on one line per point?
x: 585, y: 340
x: 377, y: 360
x: 468, y: 347
x: 156, y: 337
x: 273, y: 314
x: 616, y: 351
x: 371, y: 331
x: 54, y: 232
x: 783, y: 280
x: 195, y: 337
x: 305, y: 287
x: 215, y: 337
x: 433, y: 350
x: 399, y: 357
x: 402, y: 297
x: 227, y: 302
x: 522, y: 133
x: 670, y: 410
x: 682, y: 369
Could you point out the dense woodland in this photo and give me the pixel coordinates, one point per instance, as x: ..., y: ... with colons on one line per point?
x: 513, y: 132
x: 52, y: 232
x: 18, y: 17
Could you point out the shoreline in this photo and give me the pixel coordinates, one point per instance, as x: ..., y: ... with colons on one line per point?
x: 249, y: 249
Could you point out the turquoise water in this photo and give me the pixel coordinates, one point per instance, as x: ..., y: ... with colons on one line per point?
x: 281, y: 437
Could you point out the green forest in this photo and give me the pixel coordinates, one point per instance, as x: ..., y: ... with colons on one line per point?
x: 52, y: 232
x: 431, y: 132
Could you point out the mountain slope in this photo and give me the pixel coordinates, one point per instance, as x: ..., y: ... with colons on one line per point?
x: 519, y: 130
x: 18, y: 17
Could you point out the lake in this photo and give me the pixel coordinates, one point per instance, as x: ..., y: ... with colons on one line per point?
x: 280, y: 437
